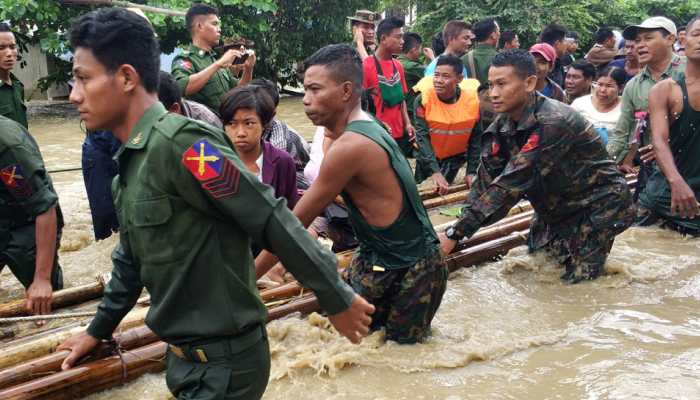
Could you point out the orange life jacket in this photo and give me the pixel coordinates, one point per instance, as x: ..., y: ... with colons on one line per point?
x: 450, y: 125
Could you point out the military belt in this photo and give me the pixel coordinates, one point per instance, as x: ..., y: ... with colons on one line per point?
x: 219, y: 349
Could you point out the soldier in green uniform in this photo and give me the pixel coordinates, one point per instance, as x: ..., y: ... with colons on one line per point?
x: 30, y: 218
x: 188, y: 211
x: 397, y: 266
x: 200, y: 73
x: 11, y: 89
x: 546, y: 152
x: 362, y: 26
x: 414, y: 70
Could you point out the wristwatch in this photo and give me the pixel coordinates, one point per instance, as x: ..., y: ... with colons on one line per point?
x: 454, y: 234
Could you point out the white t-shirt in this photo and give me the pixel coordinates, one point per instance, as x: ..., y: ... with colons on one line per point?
x: 259, y: 163
x: 315, y: 155
x: 600, y: 120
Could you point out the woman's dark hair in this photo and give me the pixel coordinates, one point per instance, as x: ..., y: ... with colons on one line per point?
x: 249, y: 97
x: 117, y: 37
x: 616, y: 73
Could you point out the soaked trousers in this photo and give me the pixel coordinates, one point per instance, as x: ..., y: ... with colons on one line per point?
x: 405, y: 299
x: 19, y: 254
x: 219, y: 370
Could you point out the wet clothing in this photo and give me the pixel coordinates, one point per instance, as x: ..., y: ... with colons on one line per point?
x: 200, y: 112
x: 26, y: 191
x: 635, y: 107
x: 555, y: 159
x: 406, y: 299
x: 185, y: 235
x: 399, y: 267
x: 448, y: 134
x: 684, y: 140
x: 194, y: 60
x: 12, y: 101
x: 480, y: 57
x: 284, y: 137
x: 99, y: 169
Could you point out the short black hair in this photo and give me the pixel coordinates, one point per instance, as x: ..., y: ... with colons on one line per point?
x: 196, y: 10
x: 602, y: 34
x: 4, y: 27
x: 507, y: 37
x: 168, y: 91
x: 453, y: 61
x: 585, y: 67
x: 342, y: 60
x: 552, y: 33
x: 572, y: 35
x: 438, y: 43
x: 484, y: 28
x: 616, y: 73
x: 691, y: 22
x: 410, y: 41
x: 247, y: 97
x: 453, y: 29
x: 520, y: 59
x: 270, y: 87
x: 117, y: 37
x: 387, y: 25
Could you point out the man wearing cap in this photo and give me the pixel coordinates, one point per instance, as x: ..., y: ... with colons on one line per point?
x: 200, y: 73
x: 362, y: 25
x: 654, y: 39
x: 545, y: 58
x: 11, y: 89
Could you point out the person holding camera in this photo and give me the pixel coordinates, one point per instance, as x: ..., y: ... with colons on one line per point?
x: 201, y: 74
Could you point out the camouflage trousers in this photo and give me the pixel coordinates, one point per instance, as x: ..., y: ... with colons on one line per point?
x: 405, y: 299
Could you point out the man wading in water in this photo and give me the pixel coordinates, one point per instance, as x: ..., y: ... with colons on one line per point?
x: 672, y: 192
x: 543, y: 150
x: 398, y: 266
x: 188, y: 210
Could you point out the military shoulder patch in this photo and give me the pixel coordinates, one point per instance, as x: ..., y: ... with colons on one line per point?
x: 532, y: 142
x: 15, y: 181
x: 216, y: 173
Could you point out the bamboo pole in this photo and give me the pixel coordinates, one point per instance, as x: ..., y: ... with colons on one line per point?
x: 126, y: 4
x: 446, y: 199
x: 431, y: 193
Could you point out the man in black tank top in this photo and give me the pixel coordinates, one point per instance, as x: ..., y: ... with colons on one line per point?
x: 398, y: 266
x: 671, y: 195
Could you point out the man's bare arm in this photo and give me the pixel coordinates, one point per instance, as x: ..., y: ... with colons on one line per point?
x: 661, y: 102
x: 339, y: 165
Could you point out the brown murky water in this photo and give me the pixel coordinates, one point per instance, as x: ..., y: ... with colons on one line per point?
x: 506, y: 330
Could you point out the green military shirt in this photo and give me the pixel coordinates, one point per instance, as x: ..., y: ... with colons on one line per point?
x: 12, y: 101
x: 26, y: 190
x: 413, y: 72
x: 188, y: 210
x: 194, y: 60
x: 483, y: 56
x: 553, y: 157
x: 635, y: 106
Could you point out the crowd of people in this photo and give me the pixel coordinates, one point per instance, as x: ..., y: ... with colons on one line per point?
x: 212, y: 192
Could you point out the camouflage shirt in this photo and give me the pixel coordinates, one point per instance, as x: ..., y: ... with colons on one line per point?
x: 552, y: 157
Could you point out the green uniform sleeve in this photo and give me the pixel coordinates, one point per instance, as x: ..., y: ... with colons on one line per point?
x: 23, y: 173
x: 250, y: 204
x: 474, y: 149
x: 618, y: 142
x: 425, y: 156
x: 182, y: 68
x: 121, y: 293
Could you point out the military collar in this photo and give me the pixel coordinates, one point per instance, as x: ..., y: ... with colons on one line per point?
x: 675, y: 62
x: 142, y: 131
x: 15, y: 81
x: 527, y: 121
x: 194, y: 50
x: 483, y: 46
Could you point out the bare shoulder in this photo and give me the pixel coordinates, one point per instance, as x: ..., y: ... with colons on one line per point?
x: 664, y: 88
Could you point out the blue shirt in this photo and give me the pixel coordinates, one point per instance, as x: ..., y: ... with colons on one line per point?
x: 430, y: 69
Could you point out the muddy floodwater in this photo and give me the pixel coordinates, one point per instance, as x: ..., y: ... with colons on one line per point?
x: 506, y: 330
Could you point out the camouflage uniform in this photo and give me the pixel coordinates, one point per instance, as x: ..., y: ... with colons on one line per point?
x: 554, y: 158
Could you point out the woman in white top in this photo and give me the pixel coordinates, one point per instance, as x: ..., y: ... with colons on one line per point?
x: 603, y: 107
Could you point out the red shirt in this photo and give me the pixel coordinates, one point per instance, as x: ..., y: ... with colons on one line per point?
x: 391, y: 116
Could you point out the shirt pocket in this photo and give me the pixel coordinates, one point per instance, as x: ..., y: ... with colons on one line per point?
x: 6, y: 110
x: 152, y: 234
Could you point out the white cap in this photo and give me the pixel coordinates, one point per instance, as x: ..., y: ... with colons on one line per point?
x: 630, y: 33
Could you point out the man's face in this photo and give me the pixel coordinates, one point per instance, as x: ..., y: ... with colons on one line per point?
x: 513, y: 44
x: 508, y: 91
x: 681, y: 36
x: 393, y: 42
x: 692, y: 43
x: 571, y: 46
x: 367, y: 32
x: 415, y: 53
x: 96, y: 92
x: 576, y: 84
x: 496, y: 35
x: 652, y: 46
x: 630, y: 51
x: 462, y: 42
x: 324, y: 97
x: 543, y: 67
x: 560, y: 47
x: 445, y: 81
x: 208, y: 27
x: 8, y: 51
